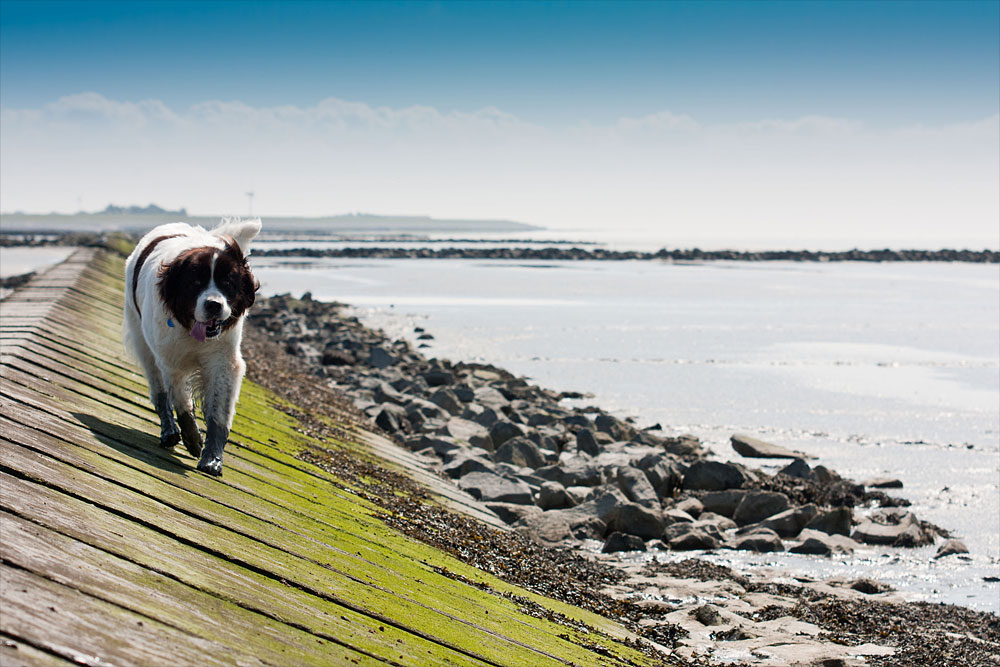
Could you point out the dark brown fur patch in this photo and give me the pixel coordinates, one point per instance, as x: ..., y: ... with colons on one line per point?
x: 139, y: 261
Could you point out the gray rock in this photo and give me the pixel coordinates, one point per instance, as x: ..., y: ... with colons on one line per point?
x: 951, y: 547
x: 836, y: 521
x: 870, y: 586
x: 490, y: 398
x: 758, y: 449
x: 511, y: 513
x: 634, y: 519
x: 465, y: 463
x: 692, y: 506
x: 504, y: 430
x: 587, y: 443
x: 385, y: 393
x: 906, y: 533
x: 713, y: 476
x: 723, y: 502
x: 685, y: 445
x: 391, y: 418
x: 464, y: 430
x: 380, y: 358
x: 617, y: 429
x: 790, y: 522
x: 761, y: 541
x: 589, y: 520
x: 814, y: 542
x: 437, y: 377
x: 674, y: 515
x: 487, y: 416
x: 484, y: 442
x: 425, y: 409
x: 722, y: 523
x: 883, y: 483
x: 547, y: 528
x: 489, y: 487
x: 580, y: 494
x: 575, y: 472
x: 798, y: 469
x: 520, y: 452
x: 442, y: 447
x: 636, y: 486
x: 553, y: 495
x: 448, y: 401
x: 758, y: 505
x: 693, y: 539
x: 706, y: 614
x: 623, y: 542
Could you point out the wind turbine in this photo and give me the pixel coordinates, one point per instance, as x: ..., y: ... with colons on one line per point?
x: 250, y: 198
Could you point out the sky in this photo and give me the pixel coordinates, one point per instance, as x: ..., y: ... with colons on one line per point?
x: 813, y: 121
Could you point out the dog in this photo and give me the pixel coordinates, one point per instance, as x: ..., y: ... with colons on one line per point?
x: 187, y: 291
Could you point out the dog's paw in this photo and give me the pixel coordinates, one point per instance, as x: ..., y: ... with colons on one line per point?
x: 168, y: 440
x: 193, y: 446
x: 212, y: 466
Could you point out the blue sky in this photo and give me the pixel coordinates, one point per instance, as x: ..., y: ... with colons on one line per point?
x: 882, y: 62
x: 777, y: 118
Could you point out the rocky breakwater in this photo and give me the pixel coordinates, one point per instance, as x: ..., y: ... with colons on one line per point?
x: 564, y: 475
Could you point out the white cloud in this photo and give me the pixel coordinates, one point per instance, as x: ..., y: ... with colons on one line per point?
x: 803, y: 178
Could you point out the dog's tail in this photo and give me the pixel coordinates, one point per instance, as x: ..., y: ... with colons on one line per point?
x: 241, y: 231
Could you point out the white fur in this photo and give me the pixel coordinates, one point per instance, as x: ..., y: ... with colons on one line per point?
x: 172, y: 360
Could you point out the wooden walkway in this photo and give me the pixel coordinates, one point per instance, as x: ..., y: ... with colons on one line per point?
x: 117, y: 552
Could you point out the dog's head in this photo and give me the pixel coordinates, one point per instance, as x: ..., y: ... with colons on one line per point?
x: 208, y: 289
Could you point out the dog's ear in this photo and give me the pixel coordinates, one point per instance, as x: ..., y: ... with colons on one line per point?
x: 240, y: 231
x: 180, y: 282
x: 243, y: 283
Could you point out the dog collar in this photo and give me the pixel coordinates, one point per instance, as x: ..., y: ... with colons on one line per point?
x: 170, y: 323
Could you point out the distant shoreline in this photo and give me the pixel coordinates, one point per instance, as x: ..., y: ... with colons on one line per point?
x: 677, y: 255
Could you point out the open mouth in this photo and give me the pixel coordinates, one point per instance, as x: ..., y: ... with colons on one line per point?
x: 201, y: 331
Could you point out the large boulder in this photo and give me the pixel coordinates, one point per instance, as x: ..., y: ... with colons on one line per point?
x: 622, y: 542
x: 464, y: 463
x: 392, y: 419
x: 950, y: 548
x: 634, y: 519
x: 503, y: 430
x: 520, y: 452
x: 553, y: 495
x: 574, y: 472
x: 586, y: 442
x: 790, y: 522
x: 464, y: 430
x: 758, y: 449
x: 759, y: 505
x: 723, y: 502
x: 695, y: 538
x: 636, y: 486
x: 488, y: 487
x: 448, y: 401
x: 617, y: 429
x: 836, y: 521
x: 713, y: 476
x: 814, y: 542
x: 904, y: 532
x: 761, y: 540
x: 547, y: 528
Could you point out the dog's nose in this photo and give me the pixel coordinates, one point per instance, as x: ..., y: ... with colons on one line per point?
x: 213, y: 307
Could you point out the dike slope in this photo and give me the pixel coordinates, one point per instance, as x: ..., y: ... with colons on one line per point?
x: 117, y: 552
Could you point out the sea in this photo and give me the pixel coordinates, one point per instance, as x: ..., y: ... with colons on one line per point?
x: 875, y: 370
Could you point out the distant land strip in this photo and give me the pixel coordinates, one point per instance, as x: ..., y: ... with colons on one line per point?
x: 679, y: 255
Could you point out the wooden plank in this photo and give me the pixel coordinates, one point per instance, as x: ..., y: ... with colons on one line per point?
x: 100, y: 575
x: 88, y: 631
x: 450, y: 617
x: 17, y: 653
x: 207, y: 572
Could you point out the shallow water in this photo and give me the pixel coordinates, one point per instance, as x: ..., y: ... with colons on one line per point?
x: 874, y: 369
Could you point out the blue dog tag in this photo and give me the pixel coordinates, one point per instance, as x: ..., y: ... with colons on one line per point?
x: 170, y: 323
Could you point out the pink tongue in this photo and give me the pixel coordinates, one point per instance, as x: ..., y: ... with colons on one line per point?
x: 198, y: 331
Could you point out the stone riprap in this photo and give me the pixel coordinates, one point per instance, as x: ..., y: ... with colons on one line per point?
x: 562, y: 474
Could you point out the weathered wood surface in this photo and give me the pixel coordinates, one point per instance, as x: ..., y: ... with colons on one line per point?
x: 115, y: 551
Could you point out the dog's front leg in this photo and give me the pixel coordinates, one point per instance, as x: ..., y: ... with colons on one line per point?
x: 222, y: 389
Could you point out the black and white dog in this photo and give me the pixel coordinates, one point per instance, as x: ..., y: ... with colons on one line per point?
x: 186, y: 293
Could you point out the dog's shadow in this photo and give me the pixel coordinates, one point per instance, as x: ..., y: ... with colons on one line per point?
x: 140, y: 445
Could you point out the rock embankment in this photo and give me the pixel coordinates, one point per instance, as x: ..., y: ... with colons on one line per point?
x: 563, y: 475
x: 555, y: 253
